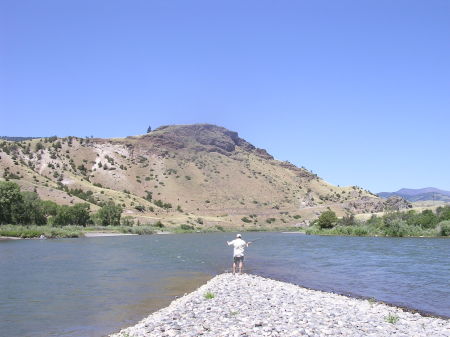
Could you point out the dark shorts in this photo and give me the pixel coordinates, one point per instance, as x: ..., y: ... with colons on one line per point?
x: 238, y: 259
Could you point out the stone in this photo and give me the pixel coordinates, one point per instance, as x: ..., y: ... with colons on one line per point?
x: 252, y: 306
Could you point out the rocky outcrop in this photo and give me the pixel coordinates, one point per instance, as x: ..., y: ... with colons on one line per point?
x: 201, y: 137
x: 396, y: 203
x: 373, y: 205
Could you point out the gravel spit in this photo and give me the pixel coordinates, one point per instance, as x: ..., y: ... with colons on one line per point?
x: 250, y: 305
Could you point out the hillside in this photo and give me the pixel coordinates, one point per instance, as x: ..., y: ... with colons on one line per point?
x: 421, y: 194
x: 200, y: 174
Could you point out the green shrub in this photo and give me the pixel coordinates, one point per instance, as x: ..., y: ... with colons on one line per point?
x: 109, y: 214
x: 162, y: 204
x: 140, y: 208
x: 444, y: 228
x: 360, y: 231
x: 140, y: 230
x: 208, y: 295
x: 443, y: 213
x: 397, y: 228
x: 245, y: 219
x: 186, y: 227
x: 391, y: 318
x: 159, y: 224
x: 27, y: 232
x: 127, y: 221
x: 327, y: 219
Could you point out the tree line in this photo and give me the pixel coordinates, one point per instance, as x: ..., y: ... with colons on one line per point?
x: 26, y: 208
x: 410, y: 223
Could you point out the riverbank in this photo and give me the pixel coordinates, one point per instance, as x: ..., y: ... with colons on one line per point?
x: 50, y: 232
x: 372, y: 231
x: 9, y: 238
x: 32, y: 231
x: 249, y: 305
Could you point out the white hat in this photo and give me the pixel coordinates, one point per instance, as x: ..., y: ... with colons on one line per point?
x: 238, y: 235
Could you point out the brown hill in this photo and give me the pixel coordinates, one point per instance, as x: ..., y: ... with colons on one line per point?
x: 201, y: 174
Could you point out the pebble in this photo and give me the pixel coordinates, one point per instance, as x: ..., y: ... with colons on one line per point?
x: 252, y: 306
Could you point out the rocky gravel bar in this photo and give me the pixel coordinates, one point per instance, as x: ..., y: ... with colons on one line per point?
x: 250, y: 305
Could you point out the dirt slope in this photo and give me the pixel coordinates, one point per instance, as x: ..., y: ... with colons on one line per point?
x: 179, y: 174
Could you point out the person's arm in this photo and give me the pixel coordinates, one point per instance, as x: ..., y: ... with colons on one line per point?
x: 229, y: 243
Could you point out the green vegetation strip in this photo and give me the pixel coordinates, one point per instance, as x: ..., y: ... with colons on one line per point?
x: 395, y: 224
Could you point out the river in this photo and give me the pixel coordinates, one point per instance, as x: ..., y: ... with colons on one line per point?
x: 95, y: 286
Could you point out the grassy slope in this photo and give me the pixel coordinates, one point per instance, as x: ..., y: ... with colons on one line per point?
x: 220, y: 187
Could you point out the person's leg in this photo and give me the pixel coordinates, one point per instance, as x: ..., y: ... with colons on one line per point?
x: 241, y: 264
x: 234, y: 267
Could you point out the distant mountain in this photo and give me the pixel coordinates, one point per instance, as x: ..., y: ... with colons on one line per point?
x: 17, y: 139
x: 420, y: 194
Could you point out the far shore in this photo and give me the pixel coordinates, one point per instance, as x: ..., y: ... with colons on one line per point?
x: 48, y: 232
x: 100, y: 234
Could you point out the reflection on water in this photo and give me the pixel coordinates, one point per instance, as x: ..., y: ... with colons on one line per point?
x: 95, y: 286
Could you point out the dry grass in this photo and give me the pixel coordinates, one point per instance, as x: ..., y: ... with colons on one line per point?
x: 238, y: 183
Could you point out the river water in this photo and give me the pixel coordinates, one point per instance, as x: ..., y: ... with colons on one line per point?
x: 95, y: 286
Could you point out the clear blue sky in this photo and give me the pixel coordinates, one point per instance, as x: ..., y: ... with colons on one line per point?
x: 357, y: 91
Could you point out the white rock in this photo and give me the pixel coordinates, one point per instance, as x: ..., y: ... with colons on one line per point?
x: 249, y: 305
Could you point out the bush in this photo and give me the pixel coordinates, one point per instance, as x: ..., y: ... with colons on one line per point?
x: 77, y: 214
x: 208, y: 295
x: 245, y: 219
x: 348, y: 220
x: 149, y: 196
x: 162, y: 204
x: 327, y: 219
x: 397, y: 228
x: 109, y: 214
x: 426, y: 219
x: 10, y: 199
x: 127, y: 221
x: 159, y: 224
x: 444, y: 228
x: 443, y: 213
x: 140, y: 208
x: 360, y: 231
x: 186, y: 227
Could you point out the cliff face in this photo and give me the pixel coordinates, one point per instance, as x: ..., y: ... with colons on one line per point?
x: 201, y: 137
x: 200, y: 170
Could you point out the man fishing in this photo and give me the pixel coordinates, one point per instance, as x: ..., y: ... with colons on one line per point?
x: 238, y: 253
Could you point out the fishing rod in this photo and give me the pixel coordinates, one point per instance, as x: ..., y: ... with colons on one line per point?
x: 255, y: 240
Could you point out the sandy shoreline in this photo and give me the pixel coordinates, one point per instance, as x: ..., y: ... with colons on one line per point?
x: 9, y: 238
x: 249, y: 305
x: 101, y: 234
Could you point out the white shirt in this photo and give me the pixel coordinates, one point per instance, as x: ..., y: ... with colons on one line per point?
x: 239, y: 247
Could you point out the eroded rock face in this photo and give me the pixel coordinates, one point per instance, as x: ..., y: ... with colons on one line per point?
x: 374, y: 205
x: 396, y: 203
x: 201, y: 137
